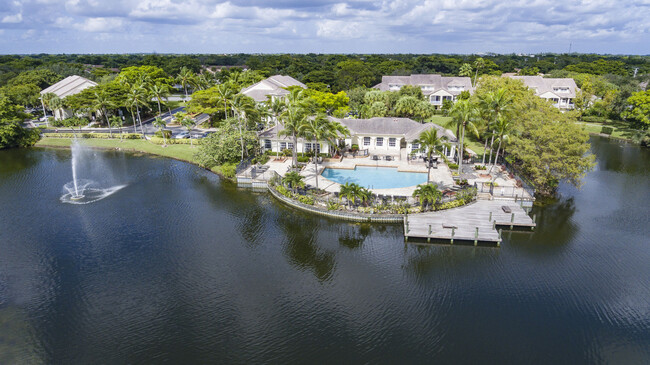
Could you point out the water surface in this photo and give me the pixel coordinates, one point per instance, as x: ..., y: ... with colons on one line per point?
x: 179, y: 267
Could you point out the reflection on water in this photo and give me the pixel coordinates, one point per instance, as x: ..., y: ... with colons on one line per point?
x: 180, y: 267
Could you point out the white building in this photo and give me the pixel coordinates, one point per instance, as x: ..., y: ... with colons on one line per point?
x: 273, y: 87
x: 69, y: 86
x: 384, y: 136
x: 561, y: 92
x: 435, y: 88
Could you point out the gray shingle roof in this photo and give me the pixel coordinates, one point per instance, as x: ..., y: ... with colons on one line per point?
x: 387, y: 126
x: 274, y: 85
x: 69, y: 86
x: 437, y: 83
x: 543, y: 85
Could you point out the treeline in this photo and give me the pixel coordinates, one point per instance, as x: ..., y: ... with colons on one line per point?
x: 336, y: 71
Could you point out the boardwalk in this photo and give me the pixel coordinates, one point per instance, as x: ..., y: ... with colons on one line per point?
x: 477, y: 222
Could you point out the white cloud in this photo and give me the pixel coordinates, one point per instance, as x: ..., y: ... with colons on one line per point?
x: 99, y: 25
x: 12, y: 19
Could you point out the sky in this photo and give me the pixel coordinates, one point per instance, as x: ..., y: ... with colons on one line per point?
x: 324, y: 26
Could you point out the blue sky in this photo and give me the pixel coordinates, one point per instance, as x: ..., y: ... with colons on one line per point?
x: 324, y: 26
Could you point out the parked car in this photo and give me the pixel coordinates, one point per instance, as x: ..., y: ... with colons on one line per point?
x: 182, y: 135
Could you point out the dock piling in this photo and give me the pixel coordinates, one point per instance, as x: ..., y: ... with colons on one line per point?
x: 476, y: 237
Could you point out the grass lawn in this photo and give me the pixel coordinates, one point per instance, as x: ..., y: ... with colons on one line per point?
x: 178, y: 151
x: 470, y: 142
x: 621, y: 130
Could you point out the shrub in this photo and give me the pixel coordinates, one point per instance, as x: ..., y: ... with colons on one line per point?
x: 333, y: 206
x: 228, y: 170
x: 453, y: 166
x: 303, y: 158
x: 594, y: 119
x: 451, y: 204
x: 282, y: 190
x: 306, y: 199
x: 263, y: 159
x: 354, y: 147
x: 606, y: 130
x: 93, y: 135
x: 168, y: 133
x: 480, y: 167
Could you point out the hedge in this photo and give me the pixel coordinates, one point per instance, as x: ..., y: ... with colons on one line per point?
x: 93, y: 135
x: 594, y: 119
x: 606, y: 130
x: 160, y: 140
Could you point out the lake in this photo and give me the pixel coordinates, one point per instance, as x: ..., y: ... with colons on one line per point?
x: 180, y: 267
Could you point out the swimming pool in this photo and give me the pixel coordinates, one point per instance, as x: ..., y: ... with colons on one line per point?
x: 376, y: 177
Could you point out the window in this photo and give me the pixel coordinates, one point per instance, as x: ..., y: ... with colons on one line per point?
x: 267, y: 144
x: 392, y: 142
x: 435, y: 98
x: 415, y: 146
x: 290, y: 145
x: 379, y: 141
x: 366, y: 141
x: 307, y: 147
x: 446, y: 98
x: 312, y: 146
x: 283, y: 145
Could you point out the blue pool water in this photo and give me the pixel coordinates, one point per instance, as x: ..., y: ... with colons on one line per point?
x: 376, y: 177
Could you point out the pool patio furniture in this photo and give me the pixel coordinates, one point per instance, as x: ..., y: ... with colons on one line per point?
x: 374, y: 158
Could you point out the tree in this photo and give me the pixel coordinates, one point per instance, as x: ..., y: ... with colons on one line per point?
x: 640, y: 109
x: 465, y: 70
x: 502, y: 129
x: 243, y: 107
x: 317, y: 129
x: 352, y: 73
x: 292, y: 118
x: 185, y: 77
x: 159, y: 92
x: 327, y: 102
x: 293, y: 180
x: 117, y: 123
x: 479, y: 63
x: 349, y: 191
x: 427, y: 194
x: 429, y: 143
x: 188, y: 123
x: 223, y: 147
x: 102, y: 103
x: 137, y: 96
x: 463, y: 114
x: 494, y: 105
x: 12, y: 134
x: 161, y: 124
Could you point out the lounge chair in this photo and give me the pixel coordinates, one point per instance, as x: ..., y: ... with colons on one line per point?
x: 374, y: 158
x: 388, y: 158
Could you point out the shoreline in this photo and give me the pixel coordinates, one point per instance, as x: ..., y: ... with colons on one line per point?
x: 43, y: 144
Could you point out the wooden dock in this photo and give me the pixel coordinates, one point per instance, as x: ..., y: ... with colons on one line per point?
x: 480, y: 221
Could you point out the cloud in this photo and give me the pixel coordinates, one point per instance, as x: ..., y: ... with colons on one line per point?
x: 332, y: 25
x: 16, y: 18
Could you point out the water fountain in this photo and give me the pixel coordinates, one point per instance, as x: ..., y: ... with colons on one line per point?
x: 84, y: 191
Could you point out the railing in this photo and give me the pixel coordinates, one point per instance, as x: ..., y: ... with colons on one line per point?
x: 243, y: 165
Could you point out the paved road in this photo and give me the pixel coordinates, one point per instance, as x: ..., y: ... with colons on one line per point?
x: 149, y: 129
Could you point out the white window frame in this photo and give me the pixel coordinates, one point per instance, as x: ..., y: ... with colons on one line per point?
x: 366, y: 141
x: 392, y: 142
x: 290, y: 145
x: 283, y: 146
x: 415, y: 146
x: 267, y: 144
x: 379, y: 141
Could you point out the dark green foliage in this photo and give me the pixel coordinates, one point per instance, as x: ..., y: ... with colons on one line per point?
x: 606, y: 130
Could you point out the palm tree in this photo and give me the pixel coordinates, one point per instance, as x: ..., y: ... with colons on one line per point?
x: 161, y: 124
x: 478, y: 64
x: 45, y: 102
x: 428, y: 194
x: 318, y: 129
x: 159, y: 92
x: 338, y: 131
x: 429, y: 143
x: 502, y: 129
x: 184, y: 78
x: 276, y: 107
x: 495, y: 104
x: 293, y: 180
x: 102, y: 103
x: 117, y: 123
x: 188, y: 123
x: 465, y: 70
x: 226, y: 94
x: 56, y: 103
x: 463, y: 113
x: 243, y: 107
x: 136, y: 97
x: 349, y: 191
x: 364, y: 195
x: 292, y: 118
